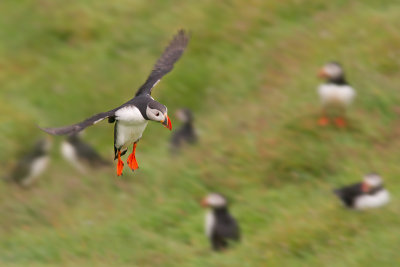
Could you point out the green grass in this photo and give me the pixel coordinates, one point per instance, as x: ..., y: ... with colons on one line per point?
x: 249, y: 75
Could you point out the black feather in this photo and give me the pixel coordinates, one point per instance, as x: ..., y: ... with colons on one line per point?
x: 76, y: 128
x: 226, y: 229
x: 166, y: 62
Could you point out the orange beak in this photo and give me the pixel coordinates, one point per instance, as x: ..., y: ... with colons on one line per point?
x: 204, y: 203
x: 365, y: 187
x: 167, y: 122
x: 322, y: 74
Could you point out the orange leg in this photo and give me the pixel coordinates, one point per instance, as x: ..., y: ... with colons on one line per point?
x: 120, y: 164
x: 132, y: 163
x: 340, y: 122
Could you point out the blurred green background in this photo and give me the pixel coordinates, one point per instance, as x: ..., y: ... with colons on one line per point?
x: 249, y: 75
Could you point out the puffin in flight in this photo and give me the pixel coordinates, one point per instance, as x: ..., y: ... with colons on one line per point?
x: 336, y: 95
x: 131, y: 118
x: 220, y: 226
x: 370, y: 193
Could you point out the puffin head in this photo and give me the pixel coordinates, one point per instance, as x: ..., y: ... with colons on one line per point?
x: 371, y: 181
x: 184, y: 115
x: 331, y: 71
x: 214, y: 201
x: 156, y: 111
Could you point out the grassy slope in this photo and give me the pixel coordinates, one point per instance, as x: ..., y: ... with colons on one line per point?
x: 247, y: 59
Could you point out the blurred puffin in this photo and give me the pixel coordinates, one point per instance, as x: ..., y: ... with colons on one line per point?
x: 220, y: 226
x: 185, y: 134
x: 335, y: 95
x: 131, y: 118
x: 370, y: 193
x: 75, y: 151
x: 33, y: 164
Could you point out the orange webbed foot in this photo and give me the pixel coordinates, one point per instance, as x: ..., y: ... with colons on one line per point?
x: 132, y: 163
x: 120, y: 164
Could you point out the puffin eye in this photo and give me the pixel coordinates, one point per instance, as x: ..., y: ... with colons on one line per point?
x: 157, y: 114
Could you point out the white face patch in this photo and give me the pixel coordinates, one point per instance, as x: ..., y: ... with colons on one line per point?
x: 373, y: 180
x: 333, y: 70
x: 215, y: 200
x: 155, y: 114
x: 182, y: 115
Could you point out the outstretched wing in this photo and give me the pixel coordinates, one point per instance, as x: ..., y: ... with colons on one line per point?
x: 166, y: 62
x: 164, y: 65
x: 75, y: 128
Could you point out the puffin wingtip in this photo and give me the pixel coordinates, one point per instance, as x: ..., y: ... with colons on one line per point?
x: 43, y: 129
x: 48, y: 130
x: 183, y: 35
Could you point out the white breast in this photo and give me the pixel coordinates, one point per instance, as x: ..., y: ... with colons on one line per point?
x: 128, y: 134
x: 336, y: 94
x: 130, y: 114
x: 69, y: 154
x: 130, y: 127
x: 209, y: 223
x: 376, y: 200
x: 37, y: 168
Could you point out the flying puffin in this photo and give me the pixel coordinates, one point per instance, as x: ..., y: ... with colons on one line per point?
x: 185, y: 134
x: 131, y: 118
x: 33, y: 164
x: 220, y: 226
x: 370, y: 193
x: 74, y: 150
x: 335, y: 95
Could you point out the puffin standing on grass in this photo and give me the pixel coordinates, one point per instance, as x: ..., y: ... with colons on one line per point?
x: 336, y: 95
x: 370, y: 193
x: 33, y: 164
x: 220, y: 226
x: 75, y: 150
x: 185, y: 134
x: 131, y: 118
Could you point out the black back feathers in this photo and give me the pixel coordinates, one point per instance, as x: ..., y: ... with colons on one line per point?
x: 226, y: 229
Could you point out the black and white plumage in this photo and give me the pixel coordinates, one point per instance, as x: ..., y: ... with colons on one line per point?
x: 77, y: 152
x: 186, y: 133
x: 367, y: 194
x: 32, y: 164
x: 131, y: 118
x: 335, y: 94
x: 220, y: 226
